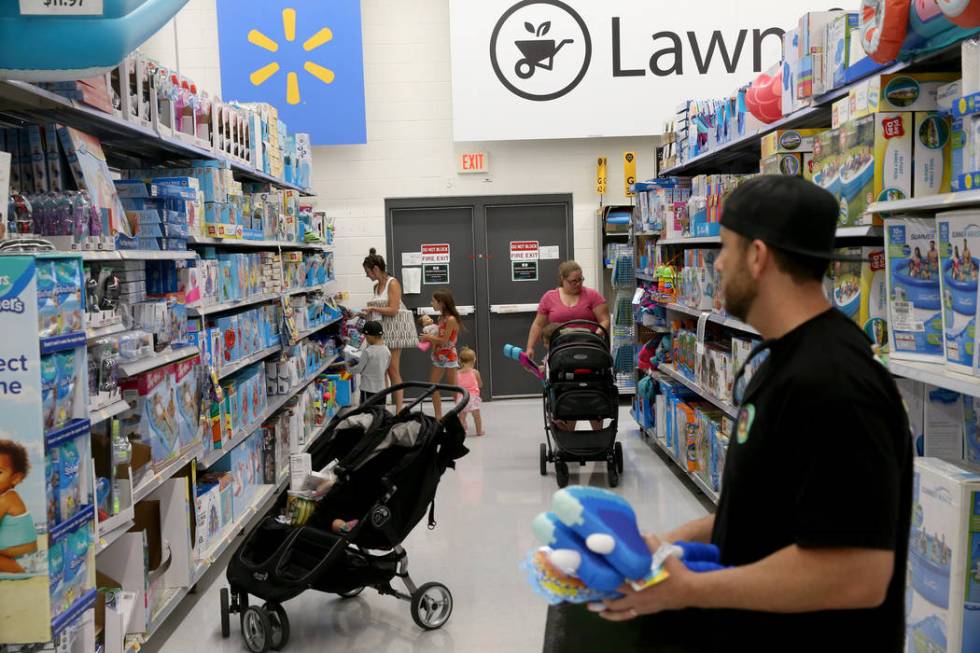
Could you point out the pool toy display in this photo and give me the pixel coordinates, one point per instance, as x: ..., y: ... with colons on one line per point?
x: 943, y: 597
x: 884, y: 26
x: 859, y: 289
x: 964, y: 13
x: 959, y: 238
x: 764, y: 98
x: 80, y: 45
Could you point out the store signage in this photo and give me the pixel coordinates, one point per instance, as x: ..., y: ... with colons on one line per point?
x: 438, y: 253
x: 524, y: 271
x: 303, y: 57
x: 61, y: 7
x: 629, y: 172
x: 601, y: 175
x: 474, y: 163
x: 524, y: 250
x: 536, y: 69
x: 435, y: 275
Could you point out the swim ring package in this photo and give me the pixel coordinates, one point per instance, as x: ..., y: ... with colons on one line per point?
x: 914, y: 293
x: 959, y: 249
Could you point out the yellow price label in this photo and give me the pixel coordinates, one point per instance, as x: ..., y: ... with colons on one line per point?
x: 602, y: 175
x: 629, y: 172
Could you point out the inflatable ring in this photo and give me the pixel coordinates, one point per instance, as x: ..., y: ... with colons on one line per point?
x: 965, y: 13
x: 764, y: 99
x: 884, y: 26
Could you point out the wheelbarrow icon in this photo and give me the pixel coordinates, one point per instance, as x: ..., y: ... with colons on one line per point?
x: 538, y: 53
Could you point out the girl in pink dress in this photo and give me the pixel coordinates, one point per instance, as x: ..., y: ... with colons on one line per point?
x: 470, y: 380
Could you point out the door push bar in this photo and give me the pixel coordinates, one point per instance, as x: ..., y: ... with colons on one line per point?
x: 505, y: 309
x: 464, y: 311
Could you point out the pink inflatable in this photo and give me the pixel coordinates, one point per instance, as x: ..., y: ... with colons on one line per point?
x: 764, y: 98
x: 884, y: 26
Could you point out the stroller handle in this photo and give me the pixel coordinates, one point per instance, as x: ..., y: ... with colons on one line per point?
x: 429, y: 388
x: 599, y: 327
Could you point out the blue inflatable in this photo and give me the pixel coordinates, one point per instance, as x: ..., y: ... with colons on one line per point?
x: 69, y: 47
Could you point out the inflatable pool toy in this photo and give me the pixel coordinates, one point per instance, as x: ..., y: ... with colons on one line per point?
x: 924, y: 293
x: 964, y: 13
x: 520, y: 356
x: 884, y: 26
x: 70, y: 47
x: 764, y: 99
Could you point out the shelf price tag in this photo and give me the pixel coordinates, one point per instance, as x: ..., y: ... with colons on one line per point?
x: 602, y: 175
x: 629, y: 172
x: 62, y: 7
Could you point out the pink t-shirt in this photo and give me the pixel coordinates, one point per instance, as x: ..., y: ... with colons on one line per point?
x: 552, y: 307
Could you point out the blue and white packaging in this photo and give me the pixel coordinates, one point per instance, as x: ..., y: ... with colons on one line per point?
x: 914, y: 290
x: 959, y: 247
x: 943, y: 600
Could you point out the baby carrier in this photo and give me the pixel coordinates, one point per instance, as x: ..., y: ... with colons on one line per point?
x: 387, y: 470
x: 580, y: 384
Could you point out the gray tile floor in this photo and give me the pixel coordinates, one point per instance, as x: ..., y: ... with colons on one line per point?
x: 484, y: 510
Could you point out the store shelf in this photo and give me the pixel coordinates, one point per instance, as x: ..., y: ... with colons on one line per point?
x: 944, y: 202
x: 274, y: 404
x: 102, y: 413
x: 241, y: 243
x: 202, y: 311
x: 64, y: 342
x: 73, y: 614
x: 135, y: 254
x: 723, y: 320
x: 94, y: 333
x: 309, y: 332
x: 861, y: 231
x: 697, y: 480
x: 707, y: 240
x: 936, y: 374
x: 157, y: 479
x: 132, y: 368
x: 228, y: 370
x: 60, y: 531
x: 113, y: 528
x: 312, y: 289
x: 125, y: 143
x: 726, y: 407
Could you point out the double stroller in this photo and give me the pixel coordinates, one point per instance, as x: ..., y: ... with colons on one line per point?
x: 388, y: 469
x: 580, y: 384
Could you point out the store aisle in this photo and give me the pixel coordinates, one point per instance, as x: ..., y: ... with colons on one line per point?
x: 484, y: 510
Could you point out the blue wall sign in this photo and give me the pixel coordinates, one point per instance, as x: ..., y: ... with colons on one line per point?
x: 304, y: 57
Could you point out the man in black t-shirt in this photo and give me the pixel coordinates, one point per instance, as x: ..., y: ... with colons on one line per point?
x: 816, y: 502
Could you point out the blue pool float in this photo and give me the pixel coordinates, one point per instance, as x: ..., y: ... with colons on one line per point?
x: 64, y: 48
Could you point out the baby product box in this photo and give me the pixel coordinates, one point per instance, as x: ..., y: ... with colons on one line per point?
x: 943, y: 603
x: 932, y: 150
x: 188, y: 403
x: 914, y: 296
x: 876, y: 164
x: 959, y: 238
x: 207, y: 508
x: 153, y: 418
x: 860, y: 291
x: 943, y: 424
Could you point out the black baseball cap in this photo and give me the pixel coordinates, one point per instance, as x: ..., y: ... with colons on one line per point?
x: 789, y: 213
x: 373, y: 328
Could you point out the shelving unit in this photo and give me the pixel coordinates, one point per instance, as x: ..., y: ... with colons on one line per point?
x: 936, y: 374
x: 682, y: 465
x: 102, y: 413
x: 717, y: 318
x: 934, y: 204
x: 136, y: 255
x: 204, y: 311
x: 132, y: 368
x: 228, y: 370
x: 726, y: 407
x: 231, y: 243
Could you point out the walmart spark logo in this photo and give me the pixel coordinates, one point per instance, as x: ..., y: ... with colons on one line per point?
x: 265, y: 73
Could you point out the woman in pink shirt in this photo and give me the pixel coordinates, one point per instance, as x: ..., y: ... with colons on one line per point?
x: 570, y: 301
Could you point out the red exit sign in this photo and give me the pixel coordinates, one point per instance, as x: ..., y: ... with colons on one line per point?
x: 474, y: 163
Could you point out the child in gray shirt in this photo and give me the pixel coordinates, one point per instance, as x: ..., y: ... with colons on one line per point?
x: 373, y: 363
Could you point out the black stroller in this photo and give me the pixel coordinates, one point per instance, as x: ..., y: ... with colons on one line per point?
x: 580, y: 384
x: 388, y: 470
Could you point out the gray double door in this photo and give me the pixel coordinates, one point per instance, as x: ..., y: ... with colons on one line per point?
x: 492, y: 271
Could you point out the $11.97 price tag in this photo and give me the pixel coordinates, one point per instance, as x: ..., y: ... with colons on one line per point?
x: 61, y: 7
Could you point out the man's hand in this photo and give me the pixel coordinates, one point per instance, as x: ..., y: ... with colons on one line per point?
x: 674, y: 593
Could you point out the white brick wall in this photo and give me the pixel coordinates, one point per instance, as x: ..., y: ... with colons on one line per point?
x: 410, y: 150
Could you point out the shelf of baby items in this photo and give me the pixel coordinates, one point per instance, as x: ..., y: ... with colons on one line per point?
x: 137, y: 255
x: 133, y: 368
x: 313, y: 330
x: 936, y: 374
x: 242, y: 243
x: 102, y: 413
x: 203, y: 311
x: 94, y: 333
x: 275, y: 403
x: 717, y: 318
x: 228, y: 370
x: 932, y: 204
x: 30, y: 103
x: 728, y: 408
x: 157, y: 479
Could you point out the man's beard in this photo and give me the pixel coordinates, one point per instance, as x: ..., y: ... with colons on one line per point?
x: 740, y: 293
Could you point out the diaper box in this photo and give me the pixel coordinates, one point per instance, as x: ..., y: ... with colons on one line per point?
x: 860, y: 291
x: 959, y: 239
x: 876, y: 164
x: 932, y: 149
x: 943, y: 602
x: 914, y: 296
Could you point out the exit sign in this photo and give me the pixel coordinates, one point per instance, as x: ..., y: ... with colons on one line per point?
x: 474, y: 163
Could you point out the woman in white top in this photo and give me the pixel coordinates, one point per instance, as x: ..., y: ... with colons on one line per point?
x: 387, y: 305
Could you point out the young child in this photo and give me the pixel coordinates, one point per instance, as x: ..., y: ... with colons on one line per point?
x: 429, y: 328
x: 18, y: 537
x: 374, y: 361
x: 445, y: 360
x: 470, y: 380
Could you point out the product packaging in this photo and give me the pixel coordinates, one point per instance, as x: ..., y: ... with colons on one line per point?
x: 860, y: 291
x: 914, y: 294
x: 959, y: 253
x: 933, y: 154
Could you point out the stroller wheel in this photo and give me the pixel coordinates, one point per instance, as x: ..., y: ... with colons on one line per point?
x: 280, y: 625
x: 432, y: 605
x: 257, y: 630
x: 225, y: 613
x: 351, y: 594
x: 618, y: 451
x: 544, y: 459
x: 613, y: 473
x: 561, y: 471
